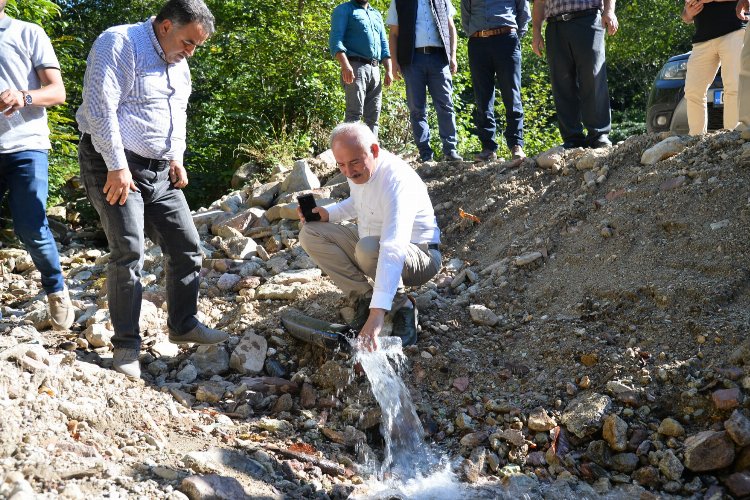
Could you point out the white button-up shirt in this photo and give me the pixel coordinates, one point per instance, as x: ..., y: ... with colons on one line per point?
x: 394, y: 205
x: 132, y: 98
x: 426, y: 32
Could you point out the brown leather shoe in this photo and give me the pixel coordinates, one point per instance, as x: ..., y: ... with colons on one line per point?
x: 517, y: 153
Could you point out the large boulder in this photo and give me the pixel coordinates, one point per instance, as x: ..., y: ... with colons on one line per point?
x: 667, y: 148
x: 301, y: 178
x: 244, y: 174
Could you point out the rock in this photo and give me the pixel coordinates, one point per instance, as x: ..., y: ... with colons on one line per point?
x: 244, y: 174
x: 551, y: 158
x: 671, y: 466
x: 240, y: 248
x: 615, y: 432
x: 625, y: 462
x: 296, y: 276
x: 738, y: 428
x: 708, y: 450
x: 474, y: 439
x: 667, y: 148
x: 584, y: 415
x: 599, y: 453
x: 210, y: 360
x: 527, y: 258
x: 461, y: 383
x: 227, y: 281
x: 275, y: 426
x: 236, y: 225
x: 647, y: 476
x: 332, y: 376
x: 210, y: 392
x: 301, y: 178
x: 483, y: 316
x: 263, y: 196
x: 278, y: 292
x: 671, y: 427
x: 250, y: 354
x: 149, y: 320
x: 540, y: 421
x: 98, y: 335
x: 165, y: 349
x: 513, y: 436
x: 307, y: 396
x: 673, y: 183
x: 284, y: 403
x: 726, y: 399
x: 188, y: 374
x: 591, y: 158
x: 739, y: 484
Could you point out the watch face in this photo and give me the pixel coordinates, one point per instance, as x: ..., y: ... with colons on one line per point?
x: 27, y: 99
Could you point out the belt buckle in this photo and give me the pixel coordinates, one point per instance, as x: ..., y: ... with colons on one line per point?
x: 567, y: 16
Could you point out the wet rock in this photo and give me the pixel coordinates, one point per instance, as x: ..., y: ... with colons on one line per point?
x: 667, y: 148
x: 301, y: 178
x: 250, y: 354
x: 332, y: 376
x: 671, y: 466
x: 738, y: 484
x: 738, y: 428
x: 726, y: 399
x: 583, y: 416
x: 210, y: 360
x: 483, y: 316
x: 615, y: 432
x: 513, y: 436
x: 671, y: 427
x: 625, y: 462
x: 307, y: 396
x: 540, y: 421
x: 708, y: 450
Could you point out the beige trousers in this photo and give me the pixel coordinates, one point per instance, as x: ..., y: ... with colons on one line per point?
x: 702, y: 65
x: 744, y: 87
x: 349, y: 260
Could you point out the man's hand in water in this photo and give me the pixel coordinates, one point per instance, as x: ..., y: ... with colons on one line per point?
x: 369, y: 333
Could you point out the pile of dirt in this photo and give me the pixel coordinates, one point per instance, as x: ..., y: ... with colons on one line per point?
x: 586, y: 336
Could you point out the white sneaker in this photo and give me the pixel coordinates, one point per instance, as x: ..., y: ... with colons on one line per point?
x: 126, y: 362
x: 61, y: 310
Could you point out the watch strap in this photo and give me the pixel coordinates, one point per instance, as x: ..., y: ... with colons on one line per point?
x: 27, y: 100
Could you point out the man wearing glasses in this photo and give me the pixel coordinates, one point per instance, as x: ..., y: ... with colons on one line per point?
x: 133, y: 121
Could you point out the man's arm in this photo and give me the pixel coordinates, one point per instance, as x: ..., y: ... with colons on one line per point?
x: 385, y: 54
x: 336, y: 42
x: 692, y: 9
x: 743, y: 6
x: 51, y: 93
x: 523, y: 15
x: 537, y: 20
x: 393, y: 47
x: 453, y: 64
x: 609, y: 19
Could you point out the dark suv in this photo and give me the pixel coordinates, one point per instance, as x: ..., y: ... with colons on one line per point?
x: 667, y: 108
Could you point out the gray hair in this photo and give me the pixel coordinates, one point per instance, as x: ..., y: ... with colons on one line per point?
x: 358, y: 132
x: 182, y: 12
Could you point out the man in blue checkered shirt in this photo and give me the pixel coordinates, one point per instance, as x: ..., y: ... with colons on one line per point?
x: 574, y: 40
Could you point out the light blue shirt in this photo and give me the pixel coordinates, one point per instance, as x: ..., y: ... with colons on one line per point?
x: 426, y: 32
x: 479, y: 15
x: 133, y: 98
x: 358, y: 31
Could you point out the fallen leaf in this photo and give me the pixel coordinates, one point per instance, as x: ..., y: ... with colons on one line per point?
x: 466, y: 215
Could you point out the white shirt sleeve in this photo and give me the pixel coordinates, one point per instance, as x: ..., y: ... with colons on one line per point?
x: 341, y: 211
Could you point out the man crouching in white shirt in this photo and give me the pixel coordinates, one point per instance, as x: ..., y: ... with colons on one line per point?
x: 395, y: 241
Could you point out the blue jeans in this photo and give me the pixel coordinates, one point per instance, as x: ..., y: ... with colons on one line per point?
x: 430, y: 72
x: 159, y: 211
x: 497, y: 59
x: 24, y: 175
x: 578, y: 74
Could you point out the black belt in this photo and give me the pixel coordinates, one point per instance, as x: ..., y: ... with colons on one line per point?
x: 152, y: 164
x: 430, y: 50
x: 571, y: 15
x: 374, y: 62
x: 433, y: 246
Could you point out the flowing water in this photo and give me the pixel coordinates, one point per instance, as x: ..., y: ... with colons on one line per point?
x: 410, y: 468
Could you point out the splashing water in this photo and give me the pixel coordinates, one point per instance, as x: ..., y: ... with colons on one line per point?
x: 410, y: 467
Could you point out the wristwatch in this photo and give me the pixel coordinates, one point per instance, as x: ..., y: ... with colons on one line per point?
x: 27, y: 100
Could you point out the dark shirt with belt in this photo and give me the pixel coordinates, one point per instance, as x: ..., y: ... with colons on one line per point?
x: 715, y: 20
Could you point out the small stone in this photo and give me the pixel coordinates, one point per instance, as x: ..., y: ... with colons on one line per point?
x: 671, y: 427
x: 98, y: 335
x: 210, y: 360
x: 647, y: 476
x: 461, y: 383
x: 307, y: 396
x: 615, y: 432
x: 188, y: 374
x: 584, y: 415
x: 671, y: 466
x: 726, y: 399
x: 739, y: 484
x: 463, y: 421
x: 708, y: 450
x: 227, y: 281
x: 474, y: 439
x: 527, y: 258
x: 625, y: 462
x: 214, y: 487
x: 250, y: 354
x: 673, y: 183
x: 668, y: 147
x: 481, y: 315
x: 540, y: 421
x: 738, y: 428
x: 284, y: 403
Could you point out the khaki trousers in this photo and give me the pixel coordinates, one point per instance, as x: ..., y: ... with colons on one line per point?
x: 702, y: 65
x: 744, y: 86
x: 349, y: 260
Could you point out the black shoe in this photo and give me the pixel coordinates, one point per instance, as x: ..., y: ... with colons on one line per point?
x: 424, y: 158
x: 572, y: 144
x: 405, y: 323
x: 453, y: 156
x: 600, y: 142
x: 361, y: 313
x: 485, y: 155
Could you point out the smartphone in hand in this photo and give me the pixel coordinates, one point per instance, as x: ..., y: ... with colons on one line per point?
x: 306, y: 204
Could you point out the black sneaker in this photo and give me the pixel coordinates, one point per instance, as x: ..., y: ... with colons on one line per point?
x: 485, y: 155
x: 453, y: 156
x: 405, y: 323
x: 361, y: 313
x: 600, y: 142
x: 572, y: 144
x: 425, y: 157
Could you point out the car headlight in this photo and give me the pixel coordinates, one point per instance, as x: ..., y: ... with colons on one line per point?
x: 674, y: 70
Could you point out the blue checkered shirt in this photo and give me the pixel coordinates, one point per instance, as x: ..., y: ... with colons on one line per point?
x: 132, y: 98
x: 557, y: 7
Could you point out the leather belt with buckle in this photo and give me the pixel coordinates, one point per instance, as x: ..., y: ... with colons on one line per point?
x: 502, y: 30
x: 364, y: 60
x: 429, y: 50
x: 571, y: 15
x: 152, y: 163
